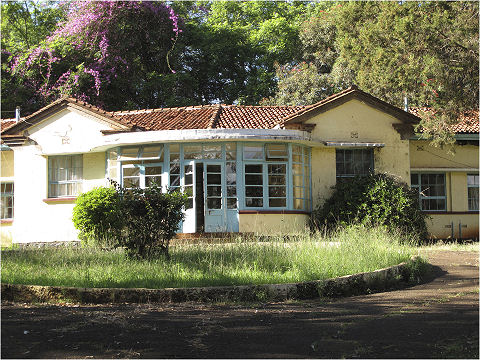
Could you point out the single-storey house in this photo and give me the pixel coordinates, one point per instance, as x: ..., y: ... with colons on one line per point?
x: 247, y: 169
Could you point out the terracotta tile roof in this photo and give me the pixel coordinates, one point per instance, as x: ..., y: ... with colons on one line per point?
x: 253, y: 117
x: 207, y: 117
x: 192, y: 117
x: 6, y: 123
x: 467, y: 123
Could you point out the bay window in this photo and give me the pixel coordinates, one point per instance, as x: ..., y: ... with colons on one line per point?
x: 6, y: 195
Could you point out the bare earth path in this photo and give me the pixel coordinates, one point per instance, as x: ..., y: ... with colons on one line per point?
x: 437, y: 319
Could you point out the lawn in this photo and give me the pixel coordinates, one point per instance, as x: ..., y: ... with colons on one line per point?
x: 350, y: 251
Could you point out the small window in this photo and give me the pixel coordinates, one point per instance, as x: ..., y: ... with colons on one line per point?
x: 276, y: 152
x: 472, y: 184
x: 354, y: 162
x: 7, y: 200
x: 431, y: 191
x: 65, y: 175
x: 253, y: 152
x: 254, y: 185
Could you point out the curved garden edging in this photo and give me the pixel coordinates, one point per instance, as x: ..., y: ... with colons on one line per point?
x: 357, y: 284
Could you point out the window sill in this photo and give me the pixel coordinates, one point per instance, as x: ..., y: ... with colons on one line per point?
x: 60, y: 200
x: 299, y: 212
x: 6, y: 221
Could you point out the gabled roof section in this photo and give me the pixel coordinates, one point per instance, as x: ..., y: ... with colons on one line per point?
x: 342, y: 97
x: 60, y: 104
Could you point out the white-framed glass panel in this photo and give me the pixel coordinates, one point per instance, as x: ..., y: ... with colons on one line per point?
x: 431, y: 189
x: 65, y: 175
x: 189, y: 184
x: 354, y: 162
x: 6, y: 196
x: 473, y: 194
x: 213, y: 186
x: 174, y: 172
x: 231, y: 184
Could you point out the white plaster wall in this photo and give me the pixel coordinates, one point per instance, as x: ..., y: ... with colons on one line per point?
x: 68, y: 131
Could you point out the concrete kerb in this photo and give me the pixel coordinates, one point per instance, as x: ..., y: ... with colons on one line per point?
x: 357, y: 284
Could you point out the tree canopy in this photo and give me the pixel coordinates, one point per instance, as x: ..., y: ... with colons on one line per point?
x: 141, y: 54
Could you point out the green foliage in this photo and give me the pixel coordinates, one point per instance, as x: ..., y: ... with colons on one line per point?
x: 97, y: 215
x: 376, y: 199
x: 150, y: 220
x: 356, y: 249
x: 143, y: 221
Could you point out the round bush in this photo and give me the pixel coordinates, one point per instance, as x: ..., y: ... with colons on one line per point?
x: 375, y: 199
x: 96, y: 214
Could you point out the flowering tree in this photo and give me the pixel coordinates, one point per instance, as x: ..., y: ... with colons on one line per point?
x: 104, y: 53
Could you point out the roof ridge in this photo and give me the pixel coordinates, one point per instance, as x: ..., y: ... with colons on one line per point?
x: 215, y: 117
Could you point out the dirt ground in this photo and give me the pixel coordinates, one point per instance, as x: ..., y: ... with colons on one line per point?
x: 437, y: 319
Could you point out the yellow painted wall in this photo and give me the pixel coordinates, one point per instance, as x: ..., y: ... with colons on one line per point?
x: 356, y: 121
x: 6, y: 164
x: 6, y: 234
x: 423, y: 155
x: 93, y: 170
x: 273, y: 224
x: 323, y: 174
x: 437, y: 225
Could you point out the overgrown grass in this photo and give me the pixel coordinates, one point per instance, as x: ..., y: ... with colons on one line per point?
x: 452, y: 246
x: 353, y: 250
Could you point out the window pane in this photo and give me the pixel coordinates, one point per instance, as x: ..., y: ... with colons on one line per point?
x: 231, y: 191
x: 153, y: 151
x: 129, y: 153
x: 253, y: 169
x: 174, y: 168
x: 174, y: 180
x: 150, y: 180
x: 214, y: 178
x: 277, y: 169
x: 276, y: 180
x: 231, y: 151
x: 298, y: 204
x: 277, y: 202
x: 214, y: 168
x: 253, y: 152
x: 131, y: 182
x: 214, y: 191
x: 253, y: 202
x: 254, y: 191
x: 254, y: 179
x: 212, y: 151
x: 231, y: 203
x: 276, y: 151
x: 131, y: 171
x: 214, y: 203
x: 473, y: 194
x: 277, y: 191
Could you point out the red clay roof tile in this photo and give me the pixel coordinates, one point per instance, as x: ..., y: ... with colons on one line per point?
x: 467, y: 122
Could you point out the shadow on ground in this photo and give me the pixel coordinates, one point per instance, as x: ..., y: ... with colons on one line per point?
x: 437, y: 319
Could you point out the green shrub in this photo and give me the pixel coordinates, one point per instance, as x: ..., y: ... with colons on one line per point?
x: 150, y: 220
x: 376, y: 199
x: 96, y: 215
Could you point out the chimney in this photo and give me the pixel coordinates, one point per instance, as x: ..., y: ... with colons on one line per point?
x: 17, y: 114
x: 405, y: 104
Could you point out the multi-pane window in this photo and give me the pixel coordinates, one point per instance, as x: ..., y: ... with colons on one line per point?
x: 253, y: 185
x: 65, y: 175
x: 301, y: 177
x: 354, y: 162
x: 141, y: 166
x: 472, y: 184
x: 174, y: 166
x: 431, y: 191
x: 7, y: 200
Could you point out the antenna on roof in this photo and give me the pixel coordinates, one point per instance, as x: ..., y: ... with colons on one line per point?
x: 405, y: 104
x: 17, y: 114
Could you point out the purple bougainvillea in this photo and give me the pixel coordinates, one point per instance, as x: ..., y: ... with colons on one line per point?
x: 98, y: 43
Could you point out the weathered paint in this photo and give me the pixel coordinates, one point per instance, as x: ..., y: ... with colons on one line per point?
x: 273, y: 224
x: 439, y: 225
x: 356, y: 121
x: 423, y: 155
